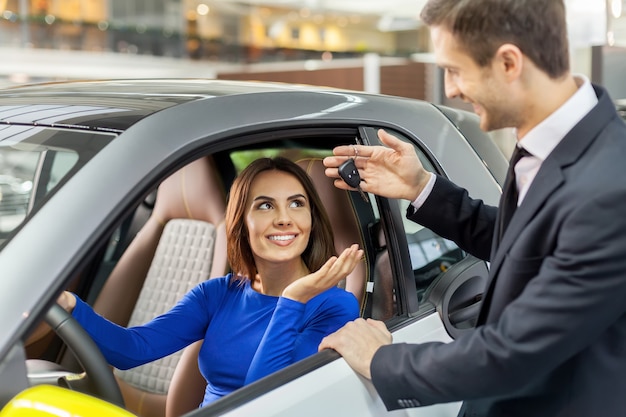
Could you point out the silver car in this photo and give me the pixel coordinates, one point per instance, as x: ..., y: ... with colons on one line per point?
x: 125, y: 208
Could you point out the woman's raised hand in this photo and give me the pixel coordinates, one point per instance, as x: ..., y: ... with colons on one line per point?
x: 329, y: 275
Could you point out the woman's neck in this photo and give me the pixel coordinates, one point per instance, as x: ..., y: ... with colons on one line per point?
x: 272, y: 279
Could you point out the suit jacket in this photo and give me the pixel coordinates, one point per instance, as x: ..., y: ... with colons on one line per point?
x: 551, y: 334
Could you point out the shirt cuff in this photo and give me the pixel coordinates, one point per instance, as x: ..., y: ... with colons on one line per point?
x: 421, y: 198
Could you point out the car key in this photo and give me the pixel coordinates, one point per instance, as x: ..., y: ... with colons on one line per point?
x: 350, y: 175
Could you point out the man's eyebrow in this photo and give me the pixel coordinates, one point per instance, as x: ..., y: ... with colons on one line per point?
x: 446, y: 65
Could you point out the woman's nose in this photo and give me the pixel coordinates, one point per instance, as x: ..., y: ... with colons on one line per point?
x: 283, y: 218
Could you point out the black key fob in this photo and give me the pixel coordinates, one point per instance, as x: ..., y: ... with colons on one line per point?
x: 349, y: 173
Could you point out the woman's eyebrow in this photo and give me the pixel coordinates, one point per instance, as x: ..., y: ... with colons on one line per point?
x: 292, y: 197
x: 263, y: 197
x: 297, y: 196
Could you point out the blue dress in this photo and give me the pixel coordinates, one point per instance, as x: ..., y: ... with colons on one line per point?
x: 247, y: 335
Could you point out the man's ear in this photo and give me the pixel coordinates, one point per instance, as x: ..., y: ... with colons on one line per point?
x: 509, y: 60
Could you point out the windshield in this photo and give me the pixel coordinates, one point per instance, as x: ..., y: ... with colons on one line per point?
x: 34, y: 163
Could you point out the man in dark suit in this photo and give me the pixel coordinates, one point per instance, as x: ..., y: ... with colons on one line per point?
x: 551, y: 334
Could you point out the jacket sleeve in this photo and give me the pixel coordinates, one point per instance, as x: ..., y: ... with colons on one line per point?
x: 468, y: 222
x: 571, y: 307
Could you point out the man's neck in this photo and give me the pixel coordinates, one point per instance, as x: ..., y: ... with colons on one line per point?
x: 545, y: 96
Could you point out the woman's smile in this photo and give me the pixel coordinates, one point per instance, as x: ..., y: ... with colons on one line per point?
x: 282, y: 239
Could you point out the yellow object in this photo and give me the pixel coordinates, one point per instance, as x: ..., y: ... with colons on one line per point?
x: 49, y: 401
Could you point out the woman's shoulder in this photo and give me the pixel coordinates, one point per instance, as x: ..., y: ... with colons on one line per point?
x: 224, y: 284
x: 216, y: 291
x: 336, y: 295
x: 336, y: 292
x: 334, y: 302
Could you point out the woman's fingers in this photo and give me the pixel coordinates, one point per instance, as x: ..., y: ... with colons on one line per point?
x: 336, y: 268
x: 346, y: 262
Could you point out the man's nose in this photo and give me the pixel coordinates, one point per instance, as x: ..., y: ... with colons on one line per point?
x: 450, y: 87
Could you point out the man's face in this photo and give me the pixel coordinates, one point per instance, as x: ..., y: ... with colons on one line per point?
x: 483, y: 87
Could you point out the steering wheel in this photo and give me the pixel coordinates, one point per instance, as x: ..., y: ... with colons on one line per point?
x: 101, y: 380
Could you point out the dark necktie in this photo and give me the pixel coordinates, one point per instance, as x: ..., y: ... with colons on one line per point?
x: 508, y: 202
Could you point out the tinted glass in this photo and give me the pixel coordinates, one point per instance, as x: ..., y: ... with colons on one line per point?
x: 34, y: 163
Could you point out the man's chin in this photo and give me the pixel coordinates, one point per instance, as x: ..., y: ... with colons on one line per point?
x: 484, y: 124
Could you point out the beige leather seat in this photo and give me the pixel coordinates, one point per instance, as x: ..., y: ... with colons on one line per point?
x: 182, y: 243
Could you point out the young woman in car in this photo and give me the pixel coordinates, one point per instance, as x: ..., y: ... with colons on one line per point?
x: 274, y: 308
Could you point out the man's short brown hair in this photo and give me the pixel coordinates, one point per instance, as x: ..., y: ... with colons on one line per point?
x: 537, y: 27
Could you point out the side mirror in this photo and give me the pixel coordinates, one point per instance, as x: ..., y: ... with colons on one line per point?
x: 53, y: 401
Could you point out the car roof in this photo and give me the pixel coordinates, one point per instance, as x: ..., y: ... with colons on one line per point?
x: 85, y: 104
x: 218, y: 108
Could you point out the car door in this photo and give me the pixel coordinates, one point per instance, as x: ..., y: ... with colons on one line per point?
x: 422, y: 286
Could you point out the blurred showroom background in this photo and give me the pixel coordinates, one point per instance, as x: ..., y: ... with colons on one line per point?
x: 378, y: 46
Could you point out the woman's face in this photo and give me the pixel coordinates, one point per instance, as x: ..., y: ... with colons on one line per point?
x: 278, y: 217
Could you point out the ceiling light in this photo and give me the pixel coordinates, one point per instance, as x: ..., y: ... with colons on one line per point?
x: 616, y: 8
x: 203, y: 9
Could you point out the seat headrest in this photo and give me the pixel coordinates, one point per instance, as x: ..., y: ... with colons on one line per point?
x: 193, y: 192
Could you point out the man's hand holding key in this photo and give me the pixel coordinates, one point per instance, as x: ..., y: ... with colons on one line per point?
x: 392, y: 171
